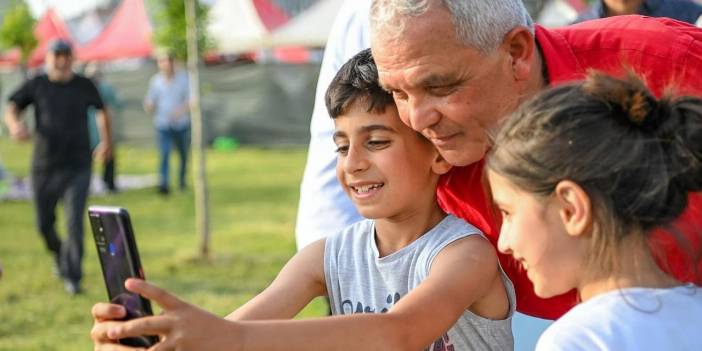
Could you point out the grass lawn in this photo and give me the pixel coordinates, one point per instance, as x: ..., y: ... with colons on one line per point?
x: 253, y: 200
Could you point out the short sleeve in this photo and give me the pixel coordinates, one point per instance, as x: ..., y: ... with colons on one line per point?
x: 93, y: 95
x: 563, y: 336
x: 150, y: 96
x: 24, y: 96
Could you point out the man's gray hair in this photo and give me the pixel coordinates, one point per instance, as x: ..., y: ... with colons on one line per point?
x: 481, y: 24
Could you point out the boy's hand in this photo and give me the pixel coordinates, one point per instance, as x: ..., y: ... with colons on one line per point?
x: 180, y: 326
x: 105, y: 316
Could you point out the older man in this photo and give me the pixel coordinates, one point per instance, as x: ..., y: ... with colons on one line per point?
x: 455, y: 67
x: 62, y: 158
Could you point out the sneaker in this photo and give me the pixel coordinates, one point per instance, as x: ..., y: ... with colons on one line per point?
x: 163, y: 190
x: 72, y: 287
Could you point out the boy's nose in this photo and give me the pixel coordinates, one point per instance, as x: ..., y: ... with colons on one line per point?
x: 355, y: 161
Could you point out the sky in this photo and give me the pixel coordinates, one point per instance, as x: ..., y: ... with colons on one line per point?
x: 65, y: 8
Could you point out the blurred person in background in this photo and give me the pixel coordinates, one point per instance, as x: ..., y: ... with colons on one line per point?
x: 62, y: 160
x: 324, y: 207
x: 681, y: 10
x: 114, y: 104
x: 168, y: 100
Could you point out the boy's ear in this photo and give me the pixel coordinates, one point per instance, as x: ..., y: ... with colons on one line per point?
x: 575, y: 207
x: 439, y: 165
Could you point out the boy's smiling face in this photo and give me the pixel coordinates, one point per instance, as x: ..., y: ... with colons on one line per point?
x: 387, y: 169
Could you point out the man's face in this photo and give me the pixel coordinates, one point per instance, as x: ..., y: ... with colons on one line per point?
x: 451, y: 93
x: 59, y: 62
x: 165, y: 65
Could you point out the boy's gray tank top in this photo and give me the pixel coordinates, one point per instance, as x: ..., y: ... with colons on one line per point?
x: 359, y: 281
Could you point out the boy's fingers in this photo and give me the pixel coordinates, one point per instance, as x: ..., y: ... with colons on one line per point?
x: 158, y: 325
x: 165, y: 299
x: 164, y: 345
x: 117, y: 347
x: 102, y: 311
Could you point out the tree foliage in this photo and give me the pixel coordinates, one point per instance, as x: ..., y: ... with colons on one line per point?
x: 171, y: 27
x: 17, y: 30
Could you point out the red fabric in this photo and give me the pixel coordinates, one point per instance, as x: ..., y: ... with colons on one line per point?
x: 49, y: 27
x: 126, y: 36
x: 666, y: 52
x: 271, y: 15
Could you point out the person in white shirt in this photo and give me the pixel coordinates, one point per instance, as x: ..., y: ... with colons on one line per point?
x: 584, y: 176
x: 324, y: 207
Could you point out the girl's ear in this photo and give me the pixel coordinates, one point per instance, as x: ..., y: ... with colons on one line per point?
x: 576, y: 207
x: 439, y: 165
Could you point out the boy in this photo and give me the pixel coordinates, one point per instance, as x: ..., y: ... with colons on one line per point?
x: 408, y: 278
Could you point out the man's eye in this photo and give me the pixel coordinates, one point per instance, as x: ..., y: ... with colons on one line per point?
x: 442, y: 90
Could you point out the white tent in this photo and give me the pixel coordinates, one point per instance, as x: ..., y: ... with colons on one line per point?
x: 310, y: 28
x: 236, y: 27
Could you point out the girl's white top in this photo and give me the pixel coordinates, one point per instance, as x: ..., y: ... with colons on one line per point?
x: 631, y: 319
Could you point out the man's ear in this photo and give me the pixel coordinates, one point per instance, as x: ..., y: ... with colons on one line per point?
x: 440, y: 165
x: 520, y: 45
x: 575, y: 207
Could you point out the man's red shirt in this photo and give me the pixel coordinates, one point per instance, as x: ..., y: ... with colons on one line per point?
x: 667, y: 53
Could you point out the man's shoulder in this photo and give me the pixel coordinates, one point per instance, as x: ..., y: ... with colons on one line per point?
x: 618, y: 31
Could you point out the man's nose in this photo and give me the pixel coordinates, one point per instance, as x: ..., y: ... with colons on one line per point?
x: 421, y: 113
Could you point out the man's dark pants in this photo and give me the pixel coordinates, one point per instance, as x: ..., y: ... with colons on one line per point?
x: 71, y: 186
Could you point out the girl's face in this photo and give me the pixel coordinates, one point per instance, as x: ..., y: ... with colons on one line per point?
x: 534, y: 233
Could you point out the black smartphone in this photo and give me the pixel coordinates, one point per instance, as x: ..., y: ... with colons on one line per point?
x: 119, y: 259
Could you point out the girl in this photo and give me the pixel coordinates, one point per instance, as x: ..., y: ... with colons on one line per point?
x: 582, y: 175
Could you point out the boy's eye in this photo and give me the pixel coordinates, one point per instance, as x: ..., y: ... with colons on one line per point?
x: 342, y: 149
x: 378, y: 144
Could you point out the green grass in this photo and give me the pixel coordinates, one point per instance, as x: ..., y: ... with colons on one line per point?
x: 253, y: 200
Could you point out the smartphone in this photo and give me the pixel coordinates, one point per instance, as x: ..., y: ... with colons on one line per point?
x: 119, y: 259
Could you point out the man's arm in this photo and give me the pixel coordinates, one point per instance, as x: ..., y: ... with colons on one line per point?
x: 104, y: 124
x: 18, y: 131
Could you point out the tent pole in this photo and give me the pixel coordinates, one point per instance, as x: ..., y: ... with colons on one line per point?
x: 199, y: 165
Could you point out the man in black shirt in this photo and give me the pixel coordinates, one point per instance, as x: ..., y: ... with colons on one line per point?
x: 61, y: 163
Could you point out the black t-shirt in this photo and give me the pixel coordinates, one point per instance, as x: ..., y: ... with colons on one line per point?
x: 61, y: 110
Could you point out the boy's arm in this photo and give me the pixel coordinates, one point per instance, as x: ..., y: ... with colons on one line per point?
x: 300, y: 280
x: 461, y: 274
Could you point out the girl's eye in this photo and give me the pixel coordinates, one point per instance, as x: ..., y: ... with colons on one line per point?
x: 504, y: 213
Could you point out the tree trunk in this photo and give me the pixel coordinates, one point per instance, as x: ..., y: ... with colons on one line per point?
x: 202, y: 225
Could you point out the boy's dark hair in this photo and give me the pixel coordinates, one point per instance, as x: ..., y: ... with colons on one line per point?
x: 357, y: 83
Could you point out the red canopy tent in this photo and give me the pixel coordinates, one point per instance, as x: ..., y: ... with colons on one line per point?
x: 270, y: 15
x: 127, y: 35
x: 49, y: 27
